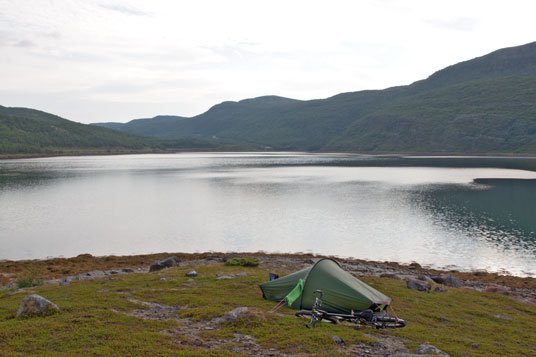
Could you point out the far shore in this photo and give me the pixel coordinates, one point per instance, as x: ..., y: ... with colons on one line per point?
x: 186, y: 151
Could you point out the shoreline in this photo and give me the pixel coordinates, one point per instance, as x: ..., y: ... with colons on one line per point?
x: 57, y: 268
x: 374, y: 154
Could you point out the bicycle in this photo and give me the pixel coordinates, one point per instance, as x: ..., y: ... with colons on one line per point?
x: 380, y: 320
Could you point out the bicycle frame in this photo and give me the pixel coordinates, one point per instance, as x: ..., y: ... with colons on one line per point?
x: 367, y: 317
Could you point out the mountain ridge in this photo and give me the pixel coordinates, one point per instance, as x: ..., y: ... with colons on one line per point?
x: 411, y: 118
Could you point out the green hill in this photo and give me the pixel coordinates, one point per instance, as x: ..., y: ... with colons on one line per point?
x: 486, y: 104
x: 29, y: 131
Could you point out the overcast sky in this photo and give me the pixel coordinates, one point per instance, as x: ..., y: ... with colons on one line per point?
x: 97, y: 60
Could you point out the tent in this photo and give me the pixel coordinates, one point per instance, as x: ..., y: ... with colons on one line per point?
x: 342, y: 291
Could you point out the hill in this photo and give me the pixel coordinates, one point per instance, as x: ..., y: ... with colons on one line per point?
x: 30, y: 131
x: 484, y: 105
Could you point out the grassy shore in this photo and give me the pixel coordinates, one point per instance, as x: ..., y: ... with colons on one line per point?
x: 166, y: 312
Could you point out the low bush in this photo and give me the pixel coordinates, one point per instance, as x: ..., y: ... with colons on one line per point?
x: 245, y: 262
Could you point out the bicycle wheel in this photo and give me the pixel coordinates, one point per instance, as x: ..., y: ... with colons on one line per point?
x: 389, y: 322
x: 303, y: 313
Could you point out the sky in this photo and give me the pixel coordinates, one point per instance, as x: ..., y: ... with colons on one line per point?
x: 99, y: 61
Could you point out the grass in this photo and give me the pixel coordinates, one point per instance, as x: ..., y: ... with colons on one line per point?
x: 94, y: 318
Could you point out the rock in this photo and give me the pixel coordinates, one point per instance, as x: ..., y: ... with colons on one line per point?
x: 390, y: 275
x: 166, y: 263
x: 85, y: 255
x: 91, y: 275
x: 217, y: 258
x: 427, y: 349
x: 35, y: 305
x: 221, y: 277
x: 113, y: 272
x: 338, y: 340
x: 440, y: 289
x: 418, y: 285
x: 127, y: 270
x: 229, y: 257
x: 191, y: 273
x: 475, y: 346
x: 235, y: 314
x: 230, y: 276
x: 498, y: 290
x: 425, y: 278
x: 414, y: 266
x: 67, y: 280
x: 499, y: 316
x: 448, y: 280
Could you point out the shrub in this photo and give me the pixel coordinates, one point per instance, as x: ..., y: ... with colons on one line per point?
x: 30, y: 278
x: 245, y: 262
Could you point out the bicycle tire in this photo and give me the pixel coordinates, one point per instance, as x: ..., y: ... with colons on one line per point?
x: 303, y: 313
x: 389, y: 322
x: 320, y: 317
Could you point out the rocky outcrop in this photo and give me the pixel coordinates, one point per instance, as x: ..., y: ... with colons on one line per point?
x: 448, y: 280
x: 166, y: 263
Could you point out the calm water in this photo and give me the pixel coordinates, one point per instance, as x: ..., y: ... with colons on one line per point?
x: 467, y: 213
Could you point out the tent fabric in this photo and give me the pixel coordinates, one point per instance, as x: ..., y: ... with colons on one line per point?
x: 277, y: 289
x: 295, y: 293
x: 342, y: 291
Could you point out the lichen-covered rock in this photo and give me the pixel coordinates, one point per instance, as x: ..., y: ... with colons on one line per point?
x: 235, y: 314
x: 428, y: 349
x: 418, y: 285
x: 166, y: 263
x: 35, y: 305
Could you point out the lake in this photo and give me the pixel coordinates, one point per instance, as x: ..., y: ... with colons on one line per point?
x: 466, y: 213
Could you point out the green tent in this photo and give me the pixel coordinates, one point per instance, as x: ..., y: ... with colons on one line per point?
x: 342, y: 291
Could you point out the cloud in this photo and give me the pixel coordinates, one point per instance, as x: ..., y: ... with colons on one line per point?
x: 460, y: 23
x: 124, y: 9
x: 25, y: 44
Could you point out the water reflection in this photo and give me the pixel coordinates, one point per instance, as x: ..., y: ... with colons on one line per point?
x: 399, y: 209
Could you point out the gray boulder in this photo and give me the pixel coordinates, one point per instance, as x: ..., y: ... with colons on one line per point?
x: 425, y: 278
x: 427, y: 349
x: 166, y: 263
x: 440, y: 289
x: 448, y: 280
x: 338, y: 340
x: 191, y: 273
x: 418, y: 285
x: 390, y: 275
x: 235, y: 314
x: 35, y: 305
x: 67, y: 280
